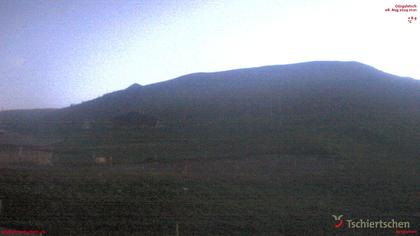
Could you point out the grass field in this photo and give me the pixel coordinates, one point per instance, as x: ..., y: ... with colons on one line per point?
x: 264, y: 195
x: 225, y: 179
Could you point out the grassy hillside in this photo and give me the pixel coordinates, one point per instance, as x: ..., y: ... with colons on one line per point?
x: 333, y: 108
x: 263, y: 151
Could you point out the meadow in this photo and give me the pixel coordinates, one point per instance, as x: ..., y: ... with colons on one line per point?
x: 171, y: 179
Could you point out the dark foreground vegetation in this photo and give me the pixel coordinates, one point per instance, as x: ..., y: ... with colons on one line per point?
x: 275, y: 195
x: 235, y: 185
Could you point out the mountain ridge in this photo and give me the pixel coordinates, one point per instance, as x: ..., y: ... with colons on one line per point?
x: 317, y: 77
x: 314, y: 107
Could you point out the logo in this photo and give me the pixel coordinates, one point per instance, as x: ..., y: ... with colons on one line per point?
x: 400, y: 227
x: 340, y: 222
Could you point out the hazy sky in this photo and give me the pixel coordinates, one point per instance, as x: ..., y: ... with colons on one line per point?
x: 57, y: 52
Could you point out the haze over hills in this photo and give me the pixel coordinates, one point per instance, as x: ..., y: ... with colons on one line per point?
x: 347, y: 103
x: 314, y: 86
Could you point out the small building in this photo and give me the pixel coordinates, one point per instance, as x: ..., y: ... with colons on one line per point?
x: 103, y: 160
x: 21, y: 149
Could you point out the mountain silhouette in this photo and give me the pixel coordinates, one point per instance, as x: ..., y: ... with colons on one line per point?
x: 307, y: 89
x: 312, y: 102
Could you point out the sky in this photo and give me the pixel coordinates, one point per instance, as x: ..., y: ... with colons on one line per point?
x: 54, y: 53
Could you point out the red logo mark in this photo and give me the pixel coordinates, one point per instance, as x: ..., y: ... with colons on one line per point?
x: 340, y: 222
